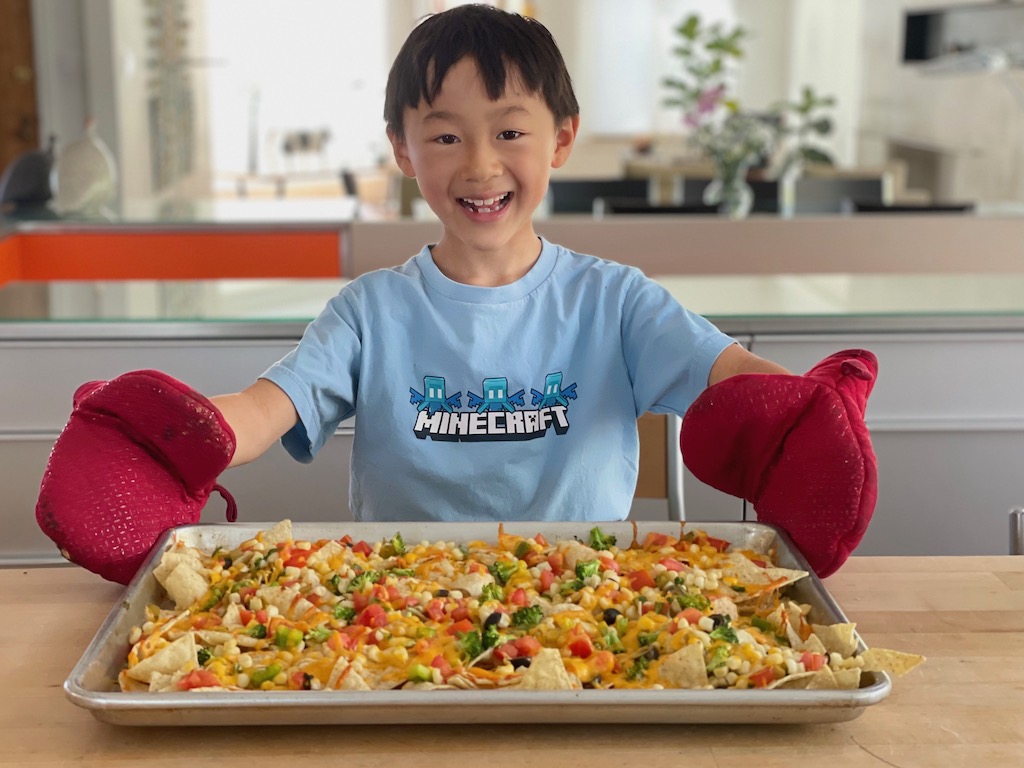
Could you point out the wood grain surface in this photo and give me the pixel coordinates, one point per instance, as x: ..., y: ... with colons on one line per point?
x: 964, y: 707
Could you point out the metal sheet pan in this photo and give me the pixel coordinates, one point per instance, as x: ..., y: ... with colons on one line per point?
x: 92, y: 683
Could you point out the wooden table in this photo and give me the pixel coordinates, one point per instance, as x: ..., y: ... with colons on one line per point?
x: 965, y: 706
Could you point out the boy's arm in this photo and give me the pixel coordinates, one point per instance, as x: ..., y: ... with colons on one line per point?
x: 258, y: 415
x: 736, y: 359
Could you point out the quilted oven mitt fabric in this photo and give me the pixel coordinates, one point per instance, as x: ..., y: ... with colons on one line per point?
x: 796, y: 447
x: 139, y: 454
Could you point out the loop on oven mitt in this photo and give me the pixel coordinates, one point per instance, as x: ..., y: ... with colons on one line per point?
x: 140, y: 454
x: 796, y: 447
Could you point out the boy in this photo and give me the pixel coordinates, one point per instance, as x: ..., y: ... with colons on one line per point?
x: 495, y: 375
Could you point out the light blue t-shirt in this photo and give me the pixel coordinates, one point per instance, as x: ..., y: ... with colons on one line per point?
x: 511, y: 403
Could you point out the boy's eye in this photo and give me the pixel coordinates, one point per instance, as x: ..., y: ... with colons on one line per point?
x: 509, y: 135
x: 447, y: 139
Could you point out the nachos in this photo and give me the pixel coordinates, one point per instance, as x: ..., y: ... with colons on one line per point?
x: 525, y: 613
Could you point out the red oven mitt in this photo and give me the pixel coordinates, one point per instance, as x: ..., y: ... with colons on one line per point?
x: 140, y: 454
x: 796, y: 447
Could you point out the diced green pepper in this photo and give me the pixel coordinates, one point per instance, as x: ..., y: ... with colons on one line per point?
x: 261, y: 676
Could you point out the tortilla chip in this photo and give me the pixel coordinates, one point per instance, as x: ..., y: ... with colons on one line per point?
x: 685, y: 668
x: 282, y: 532
x: 547, y: 673
x: 814, y: 645
x: 795, y: 681
x: 185, y: 585
x: 289, y: 602
x: 741, y: 568
x: 325, y: 553
x: 837, y: 638
x: 174, y: 657
x: 172, y: 558
x: 884, y: 660
x: 847, y: 679
x: 344, y: 677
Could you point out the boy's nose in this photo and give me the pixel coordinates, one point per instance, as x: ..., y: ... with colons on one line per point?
x: 482, y: 163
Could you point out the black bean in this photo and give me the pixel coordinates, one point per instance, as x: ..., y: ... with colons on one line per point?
x: 493, y: 619
x: 718, y: 619
x: 441, y: 593
x: 520, y: 661
x: 652, y: 653
x: 610, y: 615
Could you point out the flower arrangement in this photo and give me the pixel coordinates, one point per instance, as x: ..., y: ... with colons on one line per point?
x: 731, y: 139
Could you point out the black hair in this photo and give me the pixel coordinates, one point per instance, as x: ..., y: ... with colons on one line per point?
x: 503, y: 44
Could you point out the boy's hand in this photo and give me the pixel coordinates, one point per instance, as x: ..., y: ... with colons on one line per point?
x: 796, y: 447
x: 140, y: 454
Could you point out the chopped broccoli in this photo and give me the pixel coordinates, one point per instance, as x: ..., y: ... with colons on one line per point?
x: 638, y: 670
x: 525, y: 618
x: 600, y: 540
x: 492, y: 592
x: 318, y: 634
x: 471, y: 644
x: 587, y: 569
x: 202, y: 656
x: 502, y: 571
x: 344, y: 612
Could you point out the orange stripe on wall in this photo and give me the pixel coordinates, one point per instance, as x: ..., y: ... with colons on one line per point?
x: 174, y: 256
x: 10, y: 259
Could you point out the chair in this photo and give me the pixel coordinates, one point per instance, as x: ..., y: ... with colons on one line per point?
x: 766, y: 193
x: 578, y: 195
x: 1017, y: 531
x: 865, y: 207
x: 661, y: 463
x: 839, y: 194
x: 628, y: 205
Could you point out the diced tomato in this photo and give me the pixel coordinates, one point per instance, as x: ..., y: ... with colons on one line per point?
x: 528, y: 646
x: 640, y: 579
x: 314, y: 598
x: 602, y: 662
x: 692, y: 615
x: 672, y: 564
x: 610, y: 564
x: 360, y: 600
x: 557, y: 562
x: 518, y: 597
x: 346, y: 539
x: 463, y: 625
x: 813, y: 661
x: 441, y: 663
x: 298, y: 558
x: 646, y: 608
x: 245, y: 616
x: 338, y: 641
x: 435, y: 609
x: 380, y: 593
x: 245, y: 593
x: 362, y: 548
x: 547, y: 578
x: 373, y: 615
x: 539, y: 538
x: 720, y: 544
x: 760, y: 563
x: 763, y: 677
x: 296, y: 680
x: 261, y: 617
x: 581, y: 646
x: 460, y: 612
x: 507, y: 651
x: 656, y: 540
x: 393, y: 593
x: 198, y: 678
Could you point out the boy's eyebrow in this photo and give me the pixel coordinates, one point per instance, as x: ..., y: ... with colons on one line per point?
x: 440, y: 114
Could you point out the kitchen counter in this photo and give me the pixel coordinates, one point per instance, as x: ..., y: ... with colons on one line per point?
x: 961, y: 708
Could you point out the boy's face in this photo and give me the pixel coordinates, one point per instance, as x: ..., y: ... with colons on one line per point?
x: 482, y: 165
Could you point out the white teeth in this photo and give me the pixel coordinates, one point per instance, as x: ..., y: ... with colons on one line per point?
x: 489, y: 201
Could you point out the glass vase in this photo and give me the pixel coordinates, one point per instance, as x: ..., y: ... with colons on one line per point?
x: 729, y: 190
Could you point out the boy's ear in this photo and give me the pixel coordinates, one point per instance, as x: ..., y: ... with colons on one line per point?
x: 565, y: 137
x: 401, y: 152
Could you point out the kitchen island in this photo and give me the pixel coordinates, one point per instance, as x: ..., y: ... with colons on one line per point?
x: 961, y: 708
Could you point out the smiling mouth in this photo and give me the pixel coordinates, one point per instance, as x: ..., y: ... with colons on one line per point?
x: 486, y: 205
